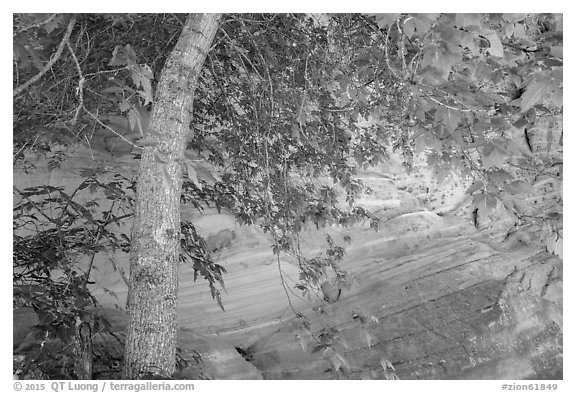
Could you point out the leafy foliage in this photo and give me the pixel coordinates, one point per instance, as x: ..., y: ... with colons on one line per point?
x: 98, y: 73
x: 194, y: 251
x: 52, y: 231
x: 287, y: 108
x: 476, y: 91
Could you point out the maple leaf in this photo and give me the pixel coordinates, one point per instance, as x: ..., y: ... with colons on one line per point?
x: 513, y: 18
x: 534, y: 94
x: 484, y: 204
x: 554, y: 244
x: 450, y: 118
x: 468, y: 20
x: 419, y: 24
x: 556, y: 98
x: 475, y: 186
x: 385, y: 20
x: 492, y: 156
x: 496, y: 48
x: 500, y: 176
x: 519, y: 187
x: 440, y: 58
x: 470, y: 41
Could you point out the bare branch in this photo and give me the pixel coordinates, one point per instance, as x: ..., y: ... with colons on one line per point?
x: 50, y: 18
x: 17, y: 91
x: 111, y: 129
x: 386, y: 54
x: 448, y: 106
x: 402, y: 45
x: 80, y: 88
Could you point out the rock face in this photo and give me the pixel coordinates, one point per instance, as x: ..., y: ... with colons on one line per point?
x: 434, y: 298
x: 447, y: 305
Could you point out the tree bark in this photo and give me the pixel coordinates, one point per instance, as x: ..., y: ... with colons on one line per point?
x: 84, y: 361
x: 152, y: 294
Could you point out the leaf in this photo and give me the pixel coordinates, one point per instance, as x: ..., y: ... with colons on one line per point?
x: 457, y: 136
x: 467, y: 20
x: 338, y: 362
x: 135, y: 120
x: 513, y: 18
x: 519, y: 187
x: 499, y: 123
x: 479, y: 203
x: 554, y: 244
x: 302, y: 343
x: 36, y: 60
x: 320, y: 347
x: 475, y: 186
x: 56, y: 22
x: 450, y: 119
x: 330, y: 292
x: 441, y: 58
x: 496, y: 49
x: 146, y: 92
x: 420, y: 144
x: 123, y: 56
x: 192, y: 175
x: 508, y: 202
x: 434, y: 143
x: 369, y: 339
x: 419, y: 24
x: 500, y: 176
x: 519, y: 30
x: 470, y: 41
x: 124, y: 106
x: 119, y: 57
x: 508, y: 29
x: 492, y: 156
x: 131, y: 55
x: 142, y: 77
x: 557, y: 51
x: 386, y: 365
x: 113, y: 90
x: 534, y: 94
x: 385, y: 20
x: 556, y: 98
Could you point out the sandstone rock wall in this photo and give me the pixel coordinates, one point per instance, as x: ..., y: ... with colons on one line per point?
x: 441, y: 299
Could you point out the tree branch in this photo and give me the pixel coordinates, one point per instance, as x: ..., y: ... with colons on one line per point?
x: 17, y: 91
x: 80, y: 88
x: 50, y: 18
x: 111, y: 129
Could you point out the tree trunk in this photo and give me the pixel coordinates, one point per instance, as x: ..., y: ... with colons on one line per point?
x: 152, y: 294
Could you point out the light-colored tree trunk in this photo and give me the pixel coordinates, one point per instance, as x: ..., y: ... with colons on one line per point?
x: 152, y: 295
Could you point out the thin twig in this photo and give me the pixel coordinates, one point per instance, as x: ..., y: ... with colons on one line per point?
x: 22, y: 148
x: 50, y: 63
x: 348, y: 108
x: 386, y: 53
x: 50, y: 18
x: 448, y: 106
x: 94, y: 251
x: 111, y: 129
x: 284, y: 282
x: 80, y: 89
x: 402, y: 47
x: 450, y: 96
